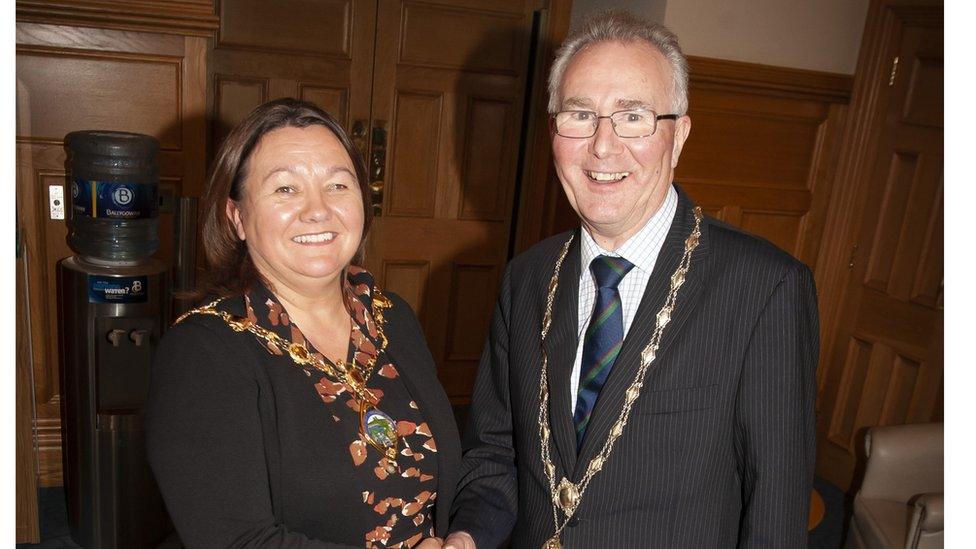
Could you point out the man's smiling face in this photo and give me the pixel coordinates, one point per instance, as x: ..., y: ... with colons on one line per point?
x: 616, y: 184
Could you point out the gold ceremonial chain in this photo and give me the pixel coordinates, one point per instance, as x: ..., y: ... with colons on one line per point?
x: 349, y: 373
x: 568, y: 495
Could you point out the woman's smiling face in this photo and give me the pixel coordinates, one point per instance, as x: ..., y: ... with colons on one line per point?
x: 301, y: 211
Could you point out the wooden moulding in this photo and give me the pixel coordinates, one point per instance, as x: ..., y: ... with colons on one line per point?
x: 782, y: 81
x: 184, y: 17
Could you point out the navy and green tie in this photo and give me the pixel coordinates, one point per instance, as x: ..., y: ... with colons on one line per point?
x: 603, y: 337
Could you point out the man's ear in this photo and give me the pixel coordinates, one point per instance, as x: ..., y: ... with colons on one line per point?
x: 682, y: 127
x: 234, y: 215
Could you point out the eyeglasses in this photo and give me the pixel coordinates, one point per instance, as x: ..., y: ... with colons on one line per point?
x: 627, y: 124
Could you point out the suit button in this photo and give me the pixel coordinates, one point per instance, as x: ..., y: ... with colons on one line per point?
x: 573, y: 521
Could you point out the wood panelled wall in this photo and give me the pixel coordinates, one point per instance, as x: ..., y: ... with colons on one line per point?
x: 763, y: 149
x: 134, y: 66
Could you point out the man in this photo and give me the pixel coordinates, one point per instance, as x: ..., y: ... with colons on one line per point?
x: 671, y: 401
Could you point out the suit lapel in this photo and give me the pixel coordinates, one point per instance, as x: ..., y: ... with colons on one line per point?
x: 560, y: 347
x: 611, y: 399
x: 688, y: 295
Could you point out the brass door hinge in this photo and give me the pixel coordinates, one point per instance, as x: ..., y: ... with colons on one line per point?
x: 894, y: 71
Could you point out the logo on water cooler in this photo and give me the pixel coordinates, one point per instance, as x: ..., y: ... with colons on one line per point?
x: 117, y: 289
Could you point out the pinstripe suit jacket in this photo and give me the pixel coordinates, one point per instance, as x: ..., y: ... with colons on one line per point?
x: 719, y: 449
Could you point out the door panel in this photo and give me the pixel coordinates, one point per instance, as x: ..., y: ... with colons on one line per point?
x: 417, y: 136
x: 449, y: 88
x: 886, y: 363
x: 455, y: 37
x: 320, y: 51
x: 298, y: 26
x: 136, y: 92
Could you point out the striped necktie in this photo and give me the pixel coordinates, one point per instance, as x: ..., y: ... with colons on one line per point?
x: 603, y: 337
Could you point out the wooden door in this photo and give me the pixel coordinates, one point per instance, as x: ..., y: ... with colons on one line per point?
x: 885, y: 363
x: 319, y: 51
x: 448, y: 92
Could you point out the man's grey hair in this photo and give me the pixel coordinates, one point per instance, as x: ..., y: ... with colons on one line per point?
x: 622, y: 26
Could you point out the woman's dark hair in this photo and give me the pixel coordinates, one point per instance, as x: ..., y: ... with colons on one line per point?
x: 230, y: 270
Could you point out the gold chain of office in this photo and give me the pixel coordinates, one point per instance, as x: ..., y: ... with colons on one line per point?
x: 349, y: 373
x: 567, y: 495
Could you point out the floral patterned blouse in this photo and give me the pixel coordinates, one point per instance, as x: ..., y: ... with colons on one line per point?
x: 395, y: 509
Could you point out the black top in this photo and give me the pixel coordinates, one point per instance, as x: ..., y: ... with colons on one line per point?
x: 251, y: 449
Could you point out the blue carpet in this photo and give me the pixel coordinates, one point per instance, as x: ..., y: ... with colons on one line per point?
x: 55, y: 531
x: 829, y: 534
x: 53, y: 515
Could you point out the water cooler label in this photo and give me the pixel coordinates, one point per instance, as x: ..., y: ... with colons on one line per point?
x: 117, y: 289
x: 101, y: 199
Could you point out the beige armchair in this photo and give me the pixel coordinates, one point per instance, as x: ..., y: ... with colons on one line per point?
x: 900, y: 501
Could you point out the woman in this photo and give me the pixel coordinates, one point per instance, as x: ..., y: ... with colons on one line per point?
x: 300, y: 407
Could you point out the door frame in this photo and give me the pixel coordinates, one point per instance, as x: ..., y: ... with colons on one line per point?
x: 536, y: 202
x: 28, y: 519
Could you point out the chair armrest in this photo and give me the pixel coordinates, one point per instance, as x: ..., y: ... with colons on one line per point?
x: 925, y: 528
x: 929, y: 507
x: 903, y: 460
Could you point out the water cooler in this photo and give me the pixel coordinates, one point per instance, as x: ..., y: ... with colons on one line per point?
x: 114, y: 304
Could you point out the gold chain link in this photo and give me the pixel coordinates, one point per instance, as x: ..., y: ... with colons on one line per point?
x: 351, y: 374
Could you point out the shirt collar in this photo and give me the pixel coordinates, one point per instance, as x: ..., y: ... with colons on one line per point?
x: 643, y: 247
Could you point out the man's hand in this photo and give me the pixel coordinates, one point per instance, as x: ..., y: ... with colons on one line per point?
x: 430, y: 543
x: 460, y: 540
